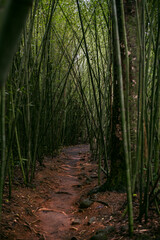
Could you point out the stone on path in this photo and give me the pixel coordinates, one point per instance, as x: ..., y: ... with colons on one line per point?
x: 91, y: 220
x: 86, y: 203
x: 76, y: 221
x: 99, y: 236
x: 102, y: 233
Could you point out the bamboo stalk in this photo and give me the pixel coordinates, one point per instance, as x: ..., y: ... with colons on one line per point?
x: 3, y: 140
x: 124, y: 123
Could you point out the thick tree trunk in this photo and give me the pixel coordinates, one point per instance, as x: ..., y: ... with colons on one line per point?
x: 117, y: 179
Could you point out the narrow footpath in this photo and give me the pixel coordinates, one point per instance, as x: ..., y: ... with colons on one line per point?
x: 56, y: 214
x: 56, y: 206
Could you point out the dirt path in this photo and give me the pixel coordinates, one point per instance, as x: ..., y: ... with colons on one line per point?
x: 50, y: 208
x: 56, y: 213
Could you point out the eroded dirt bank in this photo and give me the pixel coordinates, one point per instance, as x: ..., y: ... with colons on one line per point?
x: 56, y: 206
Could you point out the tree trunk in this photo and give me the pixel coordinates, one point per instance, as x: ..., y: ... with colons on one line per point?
x: 117, y: 179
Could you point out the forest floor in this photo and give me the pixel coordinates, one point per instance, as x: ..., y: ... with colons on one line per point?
x: 57, y: 207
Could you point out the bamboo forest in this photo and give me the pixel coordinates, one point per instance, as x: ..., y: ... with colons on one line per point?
x: 79, y: 119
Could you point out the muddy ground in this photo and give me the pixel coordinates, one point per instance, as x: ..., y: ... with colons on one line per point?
x: 53, y: 207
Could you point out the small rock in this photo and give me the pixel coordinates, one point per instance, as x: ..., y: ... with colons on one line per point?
x: 76, y: 222
x: 109, y: 229
x: 106, y: 230
x: 102, y: 233
x: 100, y: 236
x: 86, y: 203
x: 91, y: 220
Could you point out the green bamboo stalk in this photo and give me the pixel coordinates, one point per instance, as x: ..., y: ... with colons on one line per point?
x: 126, y: 81
x: 99, y: 98
x: 88, y: 111
x: 3, y: 152
x: 27, y: 76
x: 123, y: 115
x: 18, y: 142
x: 40, y: 88
x: 93, y: 87
x: 142, y: 125
x: 157, y: 120
x: 139, y: 144
x: 152, y: 122
x: 28, y: 115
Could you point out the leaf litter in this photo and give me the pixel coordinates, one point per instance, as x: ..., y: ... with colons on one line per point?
x: 51, y: 207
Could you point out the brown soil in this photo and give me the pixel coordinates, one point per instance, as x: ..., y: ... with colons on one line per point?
x: 49, y: 209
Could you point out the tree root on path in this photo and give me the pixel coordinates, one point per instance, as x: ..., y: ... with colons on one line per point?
x: 33, y: 230
x: 97, y: 189
x: 51, y: 210
x: 104, y: 203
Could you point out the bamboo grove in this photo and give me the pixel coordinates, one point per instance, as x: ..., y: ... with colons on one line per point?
x: 83, y: 71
